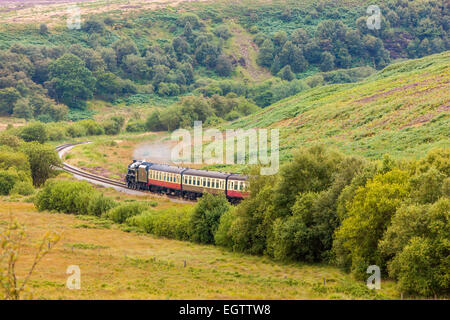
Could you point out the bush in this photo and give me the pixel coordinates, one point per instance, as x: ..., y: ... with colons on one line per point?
x: 136, y: 126
x: 66, y: 196
x: 206, y: 217
x: 92, y: 127
x: 9, y: 140
x: 7, y: 181
x: 369, y: 215
x: 417, y: 239
x: 42, y: 159
x: 173, y: 223
x: 24, y: 188
x: 124, y: 211
x: 76, y: 130
x: 34, y: 132
x: 223, y: 236
x: 99, y: 204
x: 113, y: 125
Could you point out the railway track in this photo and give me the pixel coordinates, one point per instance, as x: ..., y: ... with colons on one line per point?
x: 105, y: 181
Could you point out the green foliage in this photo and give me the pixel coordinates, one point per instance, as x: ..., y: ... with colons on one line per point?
x: 8, y: 97
x: 124, y: 211
x: 7, y: 181
x: 307, y: 234
x: 70, y: 80
x: 252, y: 226
x: 206, y: 217
x: 24, y: 188
x: 65, y: 196
x: 34, y: 132
x: 223, y: 236
x: 136, y: 126
x: 99, y: 204
x: 417, y: 242
x: 42, y: 158
x: 369, y: 214
x: 172, y: 223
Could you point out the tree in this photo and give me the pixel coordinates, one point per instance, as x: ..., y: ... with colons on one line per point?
x: 224, y: 67
x: 286, y: 73
x: 206, y: 217
x: 327, y: 61
x: 12, y: 239
x: 23, y: 109
x: 8, y: 98
x: 35, y: 131
x: 222, y: 31
x: 266, y: 52
x: 153, y: 122
x: 369, y: 214
x: 71, y: 81
x: 300, y: 37
x: 417, y: 242
x: 124, y: 47
x: 43, y: 159
x: 311, y: 169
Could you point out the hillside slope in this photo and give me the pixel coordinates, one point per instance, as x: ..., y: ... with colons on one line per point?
x: 402, y: 110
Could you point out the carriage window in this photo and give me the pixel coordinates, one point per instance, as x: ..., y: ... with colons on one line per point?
x: 241, y: 186
x: 209, y: 183
x: 235, y: 186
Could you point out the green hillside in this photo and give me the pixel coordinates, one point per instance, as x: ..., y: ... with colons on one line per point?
x: 401, y: 110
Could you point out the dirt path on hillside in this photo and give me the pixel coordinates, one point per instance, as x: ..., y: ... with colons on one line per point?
x: 246, y: 48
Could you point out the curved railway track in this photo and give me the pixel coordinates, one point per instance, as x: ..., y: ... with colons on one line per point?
x: 104, y: 181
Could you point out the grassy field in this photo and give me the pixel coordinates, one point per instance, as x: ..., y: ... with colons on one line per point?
x: 402, y: 110
x: 128, y: 265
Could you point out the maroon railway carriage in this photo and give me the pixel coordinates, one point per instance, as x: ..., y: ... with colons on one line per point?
x: 184, y: 182
x: 196, y: 182
x: 237, y: 187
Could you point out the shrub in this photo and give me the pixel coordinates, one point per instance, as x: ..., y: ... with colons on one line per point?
x: 417, y: 239
x: 124, y: 211
x: 7, y: 181
x: 9, y: 140
x: 172, y: 223
x: 65, y: 196
x: 76, y: 130
x: 206, y: 217
x: 369, y: 215
x: 99, y: 204
x: 136, y: 126
x: 92, y: 127
x: 223, y: 236
x: 42, y: 159
x: 34, y: 132
x: 24, y: 188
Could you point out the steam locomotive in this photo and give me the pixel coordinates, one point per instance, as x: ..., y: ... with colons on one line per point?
x: 185, y: 182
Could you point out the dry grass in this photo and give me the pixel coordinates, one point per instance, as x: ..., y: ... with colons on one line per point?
x: 119, y: 265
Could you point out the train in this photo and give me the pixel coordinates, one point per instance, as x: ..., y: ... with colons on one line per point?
x: 186, y: 183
